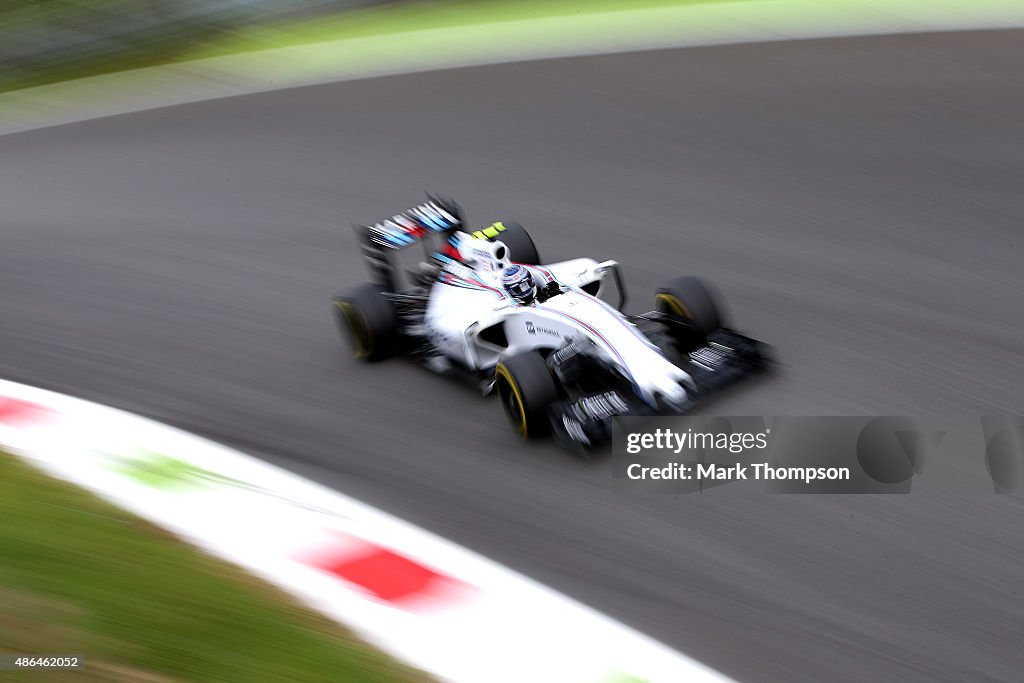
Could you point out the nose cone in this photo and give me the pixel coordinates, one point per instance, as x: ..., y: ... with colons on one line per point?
x: 671, y: 391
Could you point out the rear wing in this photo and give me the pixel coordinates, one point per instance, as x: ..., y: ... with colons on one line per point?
x: 439, y: 216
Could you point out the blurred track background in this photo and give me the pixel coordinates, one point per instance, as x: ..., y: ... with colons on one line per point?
x: 44, y: 41
x: 856, y: 200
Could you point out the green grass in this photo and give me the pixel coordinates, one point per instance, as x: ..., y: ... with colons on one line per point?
x: 80, y: 576
x: 185, y: 41
x: 343, y: 42
x: 412, y: 16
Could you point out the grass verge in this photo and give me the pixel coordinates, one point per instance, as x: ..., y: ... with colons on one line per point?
x: 182, y: 42
x: 416, y: 15
x: 80, y: 576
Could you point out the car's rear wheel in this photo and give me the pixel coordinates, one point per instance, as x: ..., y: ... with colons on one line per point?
x: 526, y: 388
x: 367, y: 320
x: 520, y: 245
x: 689, y: 299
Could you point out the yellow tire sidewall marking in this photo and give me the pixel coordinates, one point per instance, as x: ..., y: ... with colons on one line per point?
x: 360, y: 330
x: 502, y: 371
x: 674, y: 303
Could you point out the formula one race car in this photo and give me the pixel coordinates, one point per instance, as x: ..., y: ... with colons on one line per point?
x: 561, y: 359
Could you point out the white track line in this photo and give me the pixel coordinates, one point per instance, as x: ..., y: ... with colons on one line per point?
x: 426, y: 600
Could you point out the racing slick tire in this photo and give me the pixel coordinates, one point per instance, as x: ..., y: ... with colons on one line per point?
x: 520, y: 245
x: 526, y: 388
x: 688, y: 299
x: 368, y: 322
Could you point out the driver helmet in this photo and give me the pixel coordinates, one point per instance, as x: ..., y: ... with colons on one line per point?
x: 519, y: 283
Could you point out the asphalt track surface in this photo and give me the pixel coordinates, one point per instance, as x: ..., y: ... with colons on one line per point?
x: 858, y: 201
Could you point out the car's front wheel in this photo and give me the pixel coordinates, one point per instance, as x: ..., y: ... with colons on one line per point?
x: 526, y: 388
x: 689, y: 300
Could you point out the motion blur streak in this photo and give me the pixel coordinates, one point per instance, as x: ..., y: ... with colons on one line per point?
x: 44, y: 41
x: 858, y: 201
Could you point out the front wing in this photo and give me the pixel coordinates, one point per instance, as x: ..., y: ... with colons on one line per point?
x: 724, y: 358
